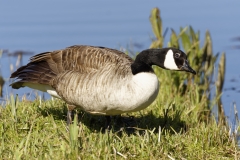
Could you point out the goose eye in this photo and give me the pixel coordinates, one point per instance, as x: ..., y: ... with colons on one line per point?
x: 177, y: 55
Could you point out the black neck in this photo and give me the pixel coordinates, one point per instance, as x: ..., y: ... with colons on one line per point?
x: 147, y: 58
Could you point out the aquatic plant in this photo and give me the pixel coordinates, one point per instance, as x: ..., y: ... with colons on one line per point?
x: 202, y: 59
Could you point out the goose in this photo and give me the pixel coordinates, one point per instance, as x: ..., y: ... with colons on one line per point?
x: 99, y: 80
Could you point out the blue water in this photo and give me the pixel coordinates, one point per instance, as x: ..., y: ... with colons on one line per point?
x: 44, y: 25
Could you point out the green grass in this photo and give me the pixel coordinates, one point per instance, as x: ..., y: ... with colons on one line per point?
x: 165, y: 130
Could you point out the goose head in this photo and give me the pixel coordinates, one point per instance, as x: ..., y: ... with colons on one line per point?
x: 167, y: 58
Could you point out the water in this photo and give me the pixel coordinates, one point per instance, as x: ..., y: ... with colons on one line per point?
x: 44, y: 25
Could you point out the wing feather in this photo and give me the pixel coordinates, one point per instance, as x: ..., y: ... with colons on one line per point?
x: 44, y: 68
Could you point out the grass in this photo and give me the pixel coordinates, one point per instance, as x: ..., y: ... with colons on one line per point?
x: 37, y: 130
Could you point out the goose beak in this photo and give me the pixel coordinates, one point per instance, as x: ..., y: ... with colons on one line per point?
x: 186, y: 67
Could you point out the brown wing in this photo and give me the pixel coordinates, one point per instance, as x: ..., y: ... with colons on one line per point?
x: 45, y: 67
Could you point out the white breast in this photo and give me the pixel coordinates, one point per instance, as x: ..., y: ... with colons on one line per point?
x: 131, y: 94
x: 146, y: 87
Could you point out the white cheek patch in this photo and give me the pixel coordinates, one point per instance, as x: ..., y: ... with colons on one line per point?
x: 169, y: 61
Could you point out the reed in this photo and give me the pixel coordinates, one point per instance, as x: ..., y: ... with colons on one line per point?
x: 201, y: 58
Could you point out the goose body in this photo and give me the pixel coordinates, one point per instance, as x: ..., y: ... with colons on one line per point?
x: 99, y: 80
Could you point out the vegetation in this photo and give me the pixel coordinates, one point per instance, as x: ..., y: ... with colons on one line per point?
x: 178, y: 125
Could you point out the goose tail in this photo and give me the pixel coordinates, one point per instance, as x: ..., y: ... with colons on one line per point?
x: 38, y: 71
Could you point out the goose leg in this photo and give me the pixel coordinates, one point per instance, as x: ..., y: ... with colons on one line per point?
x: 108, y: 122
x: 69, y: 114
x: 69, y: 117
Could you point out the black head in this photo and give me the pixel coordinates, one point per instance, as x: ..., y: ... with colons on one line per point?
x: 167, y: 58
x: 176, y: 59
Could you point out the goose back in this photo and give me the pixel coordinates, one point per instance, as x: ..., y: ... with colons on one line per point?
x: 45, y: 67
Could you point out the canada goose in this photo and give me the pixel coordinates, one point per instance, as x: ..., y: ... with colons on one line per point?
x: 99, y: 80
